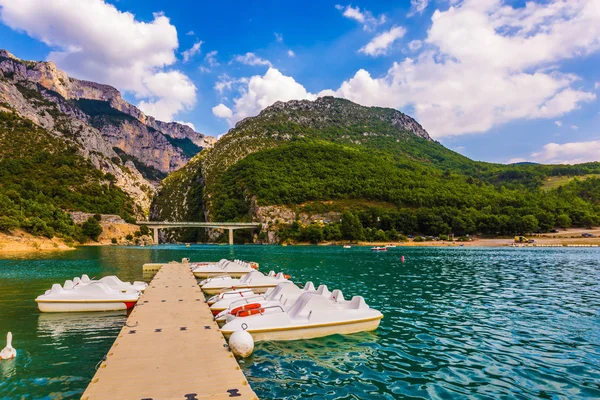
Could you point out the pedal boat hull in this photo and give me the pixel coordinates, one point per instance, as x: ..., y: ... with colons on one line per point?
x: 84, y: 305
x: 299, y: 332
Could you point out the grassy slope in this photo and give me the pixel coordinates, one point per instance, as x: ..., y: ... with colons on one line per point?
x: 554, y: 182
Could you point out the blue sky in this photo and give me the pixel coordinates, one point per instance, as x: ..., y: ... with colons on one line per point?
x: 495, y: 80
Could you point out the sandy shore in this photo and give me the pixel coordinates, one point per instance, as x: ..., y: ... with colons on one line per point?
x: 563, y: 237
x: 23, y: 242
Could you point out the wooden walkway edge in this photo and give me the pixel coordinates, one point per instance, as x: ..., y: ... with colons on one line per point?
x: 170, y: 348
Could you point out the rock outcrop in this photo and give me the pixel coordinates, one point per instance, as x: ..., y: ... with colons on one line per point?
x: 115, y: 135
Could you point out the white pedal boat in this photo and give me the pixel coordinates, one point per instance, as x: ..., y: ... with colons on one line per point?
x: 276, y: 302
x: 282, y: 297
x: 232, y: 294
x: 235, y: 269
x: 283, y: 289
x: 311, y: 316
x: 255, y: 280
x: 111, y: 281
x: 94, y: 296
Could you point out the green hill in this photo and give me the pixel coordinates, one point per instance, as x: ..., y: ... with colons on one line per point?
x: 307, y: 160
x: 42, y: 176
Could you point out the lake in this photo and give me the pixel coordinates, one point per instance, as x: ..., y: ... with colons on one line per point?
x: 481, y: 322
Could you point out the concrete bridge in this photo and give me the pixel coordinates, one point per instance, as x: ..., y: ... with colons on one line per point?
x: 230, y: 226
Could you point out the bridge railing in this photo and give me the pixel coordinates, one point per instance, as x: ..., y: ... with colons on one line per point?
x: 200, y: 224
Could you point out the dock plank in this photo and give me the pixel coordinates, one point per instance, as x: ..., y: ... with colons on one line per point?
x: 170, y: 348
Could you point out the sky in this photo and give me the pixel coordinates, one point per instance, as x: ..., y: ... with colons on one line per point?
x: 496, y: 80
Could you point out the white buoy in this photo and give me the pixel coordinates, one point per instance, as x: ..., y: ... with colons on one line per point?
x: 241, y: 343
x: 9, y: 352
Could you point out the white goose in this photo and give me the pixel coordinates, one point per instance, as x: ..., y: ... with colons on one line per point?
x: 8, y: 352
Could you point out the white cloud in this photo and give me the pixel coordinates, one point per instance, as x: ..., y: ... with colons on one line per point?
x: 190, y: 33
x: 291, y: 53
x: 187, y: 124
x: 381, y: 43
x: 417, y: 7
x: 192, y: 51
x: 574, y: 127
x: 96, y: 41
x: 204, y: 69
x: 568, y: 153
x: 262, y: 91
x: 211, y: 58
x: 486, y: 63
x: 364, y: 17
x: 222, y: 111
x: 558, y: 123
x: 597, y: 85
x: 226, y: 83
x: 415, y: 45
x: 170, y: 91
x: 252, y: 59
x: 278, y: 37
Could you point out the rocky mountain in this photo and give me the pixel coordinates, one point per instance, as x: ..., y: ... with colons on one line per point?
x: 302, y: 168
x: 114, y: 135
x: 190, y: 192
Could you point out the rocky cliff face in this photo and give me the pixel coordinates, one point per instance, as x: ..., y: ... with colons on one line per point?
x: 116, y: 136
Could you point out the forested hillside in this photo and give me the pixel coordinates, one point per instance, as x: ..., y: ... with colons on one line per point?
x: 42, y: 176
x: 331, y: 156
x: 114, y: 135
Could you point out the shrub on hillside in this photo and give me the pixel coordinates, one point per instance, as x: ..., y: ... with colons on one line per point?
x: 144, y: 230
x: 91, y: 228
x: 8, y: 223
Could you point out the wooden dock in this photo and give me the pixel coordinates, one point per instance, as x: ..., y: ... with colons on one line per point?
x: 170, y: 348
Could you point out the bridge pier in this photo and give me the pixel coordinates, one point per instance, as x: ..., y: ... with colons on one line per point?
x: 230, y: 236
x: 155, y: 235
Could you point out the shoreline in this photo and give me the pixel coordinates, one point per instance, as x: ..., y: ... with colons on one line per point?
x: 22, y: 242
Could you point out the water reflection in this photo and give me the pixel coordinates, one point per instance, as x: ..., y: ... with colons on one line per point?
x: 89, y: 326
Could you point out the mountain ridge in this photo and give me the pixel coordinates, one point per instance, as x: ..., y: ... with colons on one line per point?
x: 302, y: 161
x: 114, y: 135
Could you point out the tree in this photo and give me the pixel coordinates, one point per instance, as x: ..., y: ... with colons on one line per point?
x: 393, y: 235
x: 588, y: 220
x: 91, y: 228
x: 314, y: 233
x: 530, y: 223
x: 351, y: 227
x: 129, y: 237
x: 144, y: 230
x: 37, y: 226
x: 564, y: 221
x: 332, y: 232
x: 8, y: 223
x: 380, y: 236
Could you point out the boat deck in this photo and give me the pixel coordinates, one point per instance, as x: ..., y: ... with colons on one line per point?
x: 170, y: 348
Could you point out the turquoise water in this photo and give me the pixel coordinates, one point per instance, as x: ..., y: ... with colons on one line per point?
x: 485, y: 323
